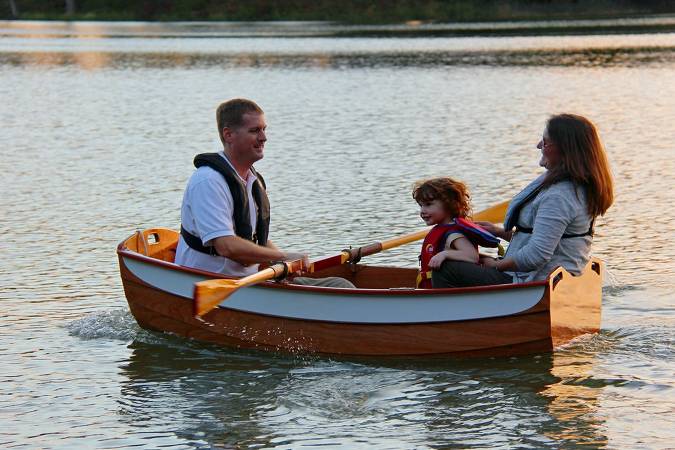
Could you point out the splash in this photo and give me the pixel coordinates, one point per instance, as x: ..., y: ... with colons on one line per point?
x: 610, y: 279
x: 116, y: 324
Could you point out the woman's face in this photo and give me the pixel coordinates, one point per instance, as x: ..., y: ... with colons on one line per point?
x: 550, y: 153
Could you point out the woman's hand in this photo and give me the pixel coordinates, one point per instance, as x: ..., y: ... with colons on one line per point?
x: 502, y: 265
x: 491, y: 227
x: 488, y: 261
x: 495, y: 229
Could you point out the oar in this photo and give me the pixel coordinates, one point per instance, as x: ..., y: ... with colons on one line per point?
x: 494, y: 213
x: 210, y: 293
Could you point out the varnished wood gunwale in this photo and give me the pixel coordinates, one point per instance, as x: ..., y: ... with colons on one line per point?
x: 374, y: 275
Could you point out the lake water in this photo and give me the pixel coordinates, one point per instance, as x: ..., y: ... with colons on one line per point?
x: 99, y: 124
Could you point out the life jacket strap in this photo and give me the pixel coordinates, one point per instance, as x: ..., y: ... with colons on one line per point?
x: 590, y: 231
x: 422, y: 277
x: 196, y: 244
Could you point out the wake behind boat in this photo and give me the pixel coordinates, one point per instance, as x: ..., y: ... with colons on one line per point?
x: 384, y: 316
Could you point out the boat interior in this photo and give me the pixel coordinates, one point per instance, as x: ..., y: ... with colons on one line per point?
x: 160, y: 244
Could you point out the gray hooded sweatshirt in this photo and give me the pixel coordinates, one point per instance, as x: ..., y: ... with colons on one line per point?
x: 556, y: 210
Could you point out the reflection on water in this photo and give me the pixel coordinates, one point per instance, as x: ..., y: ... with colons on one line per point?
x: 217, y: 397
x: 603, y: 57
x: 99, y: 129
x: 573, y: 400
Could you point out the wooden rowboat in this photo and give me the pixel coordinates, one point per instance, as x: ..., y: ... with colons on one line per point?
x: 384, y: 316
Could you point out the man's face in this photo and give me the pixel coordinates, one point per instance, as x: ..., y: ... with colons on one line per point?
x: 247, y: 142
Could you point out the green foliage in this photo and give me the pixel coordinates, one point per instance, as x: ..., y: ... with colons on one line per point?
x: 349, y: 11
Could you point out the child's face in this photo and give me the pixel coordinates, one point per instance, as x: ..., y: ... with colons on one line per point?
x: 434, y: 212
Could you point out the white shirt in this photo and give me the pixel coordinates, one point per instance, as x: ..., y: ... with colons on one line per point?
x: 206, y: 212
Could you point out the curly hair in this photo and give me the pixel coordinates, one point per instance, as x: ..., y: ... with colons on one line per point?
x: 453, y: 194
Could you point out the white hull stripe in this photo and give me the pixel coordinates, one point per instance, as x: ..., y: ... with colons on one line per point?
x: 349, y: 308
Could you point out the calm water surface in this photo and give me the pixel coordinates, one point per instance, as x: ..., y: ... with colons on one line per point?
x: 99, y: 126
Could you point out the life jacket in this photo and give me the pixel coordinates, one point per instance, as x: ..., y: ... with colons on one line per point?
x: 434, y: 242
x: 241, y: 212
x: 512, y: 216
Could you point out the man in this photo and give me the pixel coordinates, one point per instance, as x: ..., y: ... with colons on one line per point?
x: 225, y: 214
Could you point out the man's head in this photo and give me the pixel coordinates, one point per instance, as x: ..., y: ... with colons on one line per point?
x: 241, y: 127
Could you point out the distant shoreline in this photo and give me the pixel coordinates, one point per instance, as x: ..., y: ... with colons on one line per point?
x: 343, y: 11
x: 304, y: 29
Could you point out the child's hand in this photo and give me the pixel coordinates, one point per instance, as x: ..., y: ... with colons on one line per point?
x: 436, y: 260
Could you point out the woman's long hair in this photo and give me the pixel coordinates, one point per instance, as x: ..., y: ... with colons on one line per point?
x: 582, y: 160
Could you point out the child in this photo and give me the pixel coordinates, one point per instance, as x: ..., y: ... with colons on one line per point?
x: 444, y: 203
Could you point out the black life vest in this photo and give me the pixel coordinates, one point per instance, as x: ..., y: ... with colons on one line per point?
x: 512, y: 219
x: 241, y: 212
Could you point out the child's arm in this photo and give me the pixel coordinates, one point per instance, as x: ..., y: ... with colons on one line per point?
x: 460, y: 249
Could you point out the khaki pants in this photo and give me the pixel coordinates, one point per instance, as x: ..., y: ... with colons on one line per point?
x: 334, y: 282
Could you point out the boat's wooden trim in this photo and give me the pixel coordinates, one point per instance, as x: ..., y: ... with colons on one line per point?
x: 372, y: 272
x: 163, y: 312
x: 341, y: 305
x: 347, y: 305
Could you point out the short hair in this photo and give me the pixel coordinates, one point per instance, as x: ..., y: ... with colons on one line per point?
x: 582, y: 160
x: 230, y: 114
x: 453, y: 194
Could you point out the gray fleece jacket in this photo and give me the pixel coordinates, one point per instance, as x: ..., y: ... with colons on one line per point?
x: 556, y: 210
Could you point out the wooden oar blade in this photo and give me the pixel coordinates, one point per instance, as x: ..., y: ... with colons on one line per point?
x: 493, y: 214
x: 210, y: 293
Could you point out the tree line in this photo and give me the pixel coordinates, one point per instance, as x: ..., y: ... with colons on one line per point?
x: 351, y: 11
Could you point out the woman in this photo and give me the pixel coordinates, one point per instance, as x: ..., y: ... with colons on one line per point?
x: 549, y: 223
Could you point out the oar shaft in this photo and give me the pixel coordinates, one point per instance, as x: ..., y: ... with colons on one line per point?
x: 494, y: 213
x: 405, y: 239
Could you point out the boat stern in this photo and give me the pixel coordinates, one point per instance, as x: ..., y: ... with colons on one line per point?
x: 575, y: 302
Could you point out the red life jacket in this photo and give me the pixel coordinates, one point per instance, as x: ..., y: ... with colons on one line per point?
x: 434, y: 242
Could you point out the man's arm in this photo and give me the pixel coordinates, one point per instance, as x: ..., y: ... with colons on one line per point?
x: 246, y: 252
